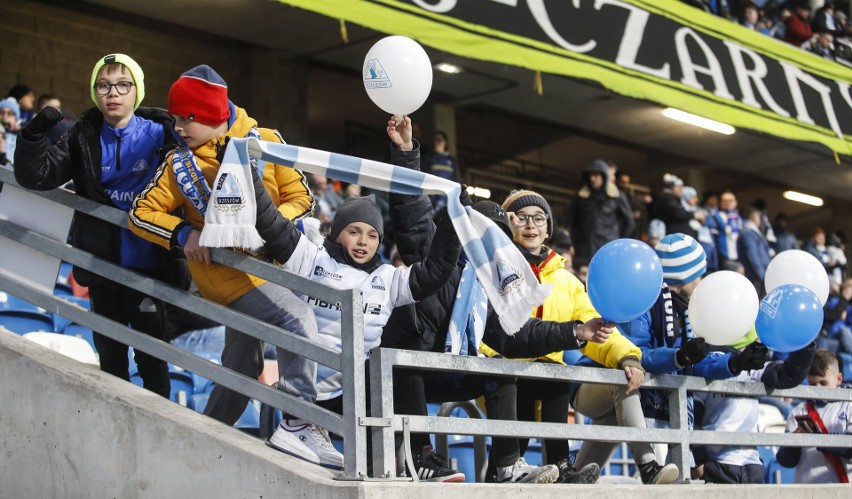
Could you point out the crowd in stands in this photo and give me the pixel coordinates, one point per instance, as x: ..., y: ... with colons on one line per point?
x: 167, y: 169
x: 796, y: 22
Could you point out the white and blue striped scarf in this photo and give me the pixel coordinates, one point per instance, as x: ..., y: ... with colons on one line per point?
x: 503, y: 272
x: 470, y: 311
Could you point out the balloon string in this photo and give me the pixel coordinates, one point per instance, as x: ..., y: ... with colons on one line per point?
x: 344, y: 34
x: 836, y: 157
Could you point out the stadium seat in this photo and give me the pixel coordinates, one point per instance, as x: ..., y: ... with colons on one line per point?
x: 69, y: 346
x: 773, y: 471
x: 21, y: 317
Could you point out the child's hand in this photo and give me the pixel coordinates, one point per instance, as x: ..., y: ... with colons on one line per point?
x: 193, y: 250
x: 635, y: 378
x: 595, y: 330
x: 400, y: 133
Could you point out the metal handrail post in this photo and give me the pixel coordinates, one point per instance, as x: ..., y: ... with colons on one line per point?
x: 678, y: 420
x: 381, y: 382
x: 354, y: 386
x: 480, y: 449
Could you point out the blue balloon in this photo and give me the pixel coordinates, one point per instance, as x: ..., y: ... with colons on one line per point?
x: 790, y: 317
x: 624, y: 279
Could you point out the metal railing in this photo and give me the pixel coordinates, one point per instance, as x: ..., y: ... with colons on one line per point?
x: 384, y: 422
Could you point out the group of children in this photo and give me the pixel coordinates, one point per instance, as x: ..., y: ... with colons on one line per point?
x: 162, y: 166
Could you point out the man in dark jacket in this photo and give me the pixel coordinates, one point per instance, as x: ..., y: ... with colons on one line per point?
x: 600, y: 212
x: 110, y: 153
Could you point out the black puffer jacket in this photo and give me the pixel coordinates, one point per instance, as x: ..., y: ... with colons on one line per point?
x: 77, y: 156
x: 424, y: 325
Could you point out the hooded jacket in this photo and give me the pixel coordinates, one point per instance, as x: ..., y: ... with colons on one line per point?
x: 599, y: 216
x: 151, y: 216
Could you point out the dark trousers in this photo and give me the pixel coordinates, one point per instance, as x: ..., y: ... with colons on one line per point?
x: 413, y: 389
x: 555, y: 399
x: 122, y: 304
x: 728, y: 473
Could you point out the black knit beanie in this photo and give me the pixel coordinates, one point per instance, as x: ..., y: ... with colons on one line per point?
x: 522, y: 198
x: 357, y: 209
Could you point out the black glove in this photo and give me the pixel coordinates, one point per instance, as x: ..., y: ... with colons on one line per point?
x: 221, y: 148
x: 464, y: 197
x: 41, y: 123
x: 753, y: 356
x: 692, y: 352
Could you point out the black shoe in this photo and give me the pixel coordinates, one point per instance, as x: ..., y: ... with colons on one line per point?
x: 568, y: 474
x: 431, y: 467
x: 654, y: 474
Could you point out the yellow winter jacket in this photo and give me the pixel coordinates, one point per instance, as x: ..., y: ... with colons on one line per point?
x: 569, y: 301
x: 151, y: 218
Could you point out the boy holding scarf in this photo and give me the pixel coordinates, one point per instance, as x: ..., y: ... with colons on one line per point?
x: 205, y: 120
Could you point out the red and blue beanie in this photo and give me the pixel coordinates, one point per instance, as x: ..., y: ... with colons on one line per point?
x: 201, y: 95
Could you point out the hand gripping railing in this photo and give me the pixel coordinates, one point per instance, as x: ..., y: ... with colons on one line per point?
x: 679, y: 437
x: 350, y: 362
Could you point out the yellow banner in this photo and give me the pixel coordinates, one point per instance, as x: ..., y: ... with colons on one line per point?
x: 660, y: 51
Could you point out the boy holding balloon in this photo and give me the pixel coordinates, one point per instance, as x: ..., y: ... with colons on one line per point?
x: 728, y: 413
x: 664, y: 335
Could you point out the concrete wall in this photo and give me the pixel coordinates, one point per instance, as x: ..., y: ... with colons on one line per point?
x: 67, y: 430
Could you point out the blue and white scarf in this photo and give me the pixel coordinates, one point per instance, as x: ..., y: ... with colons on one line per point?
x: 232, y: 221
x: 470, y: 310
x: 503, y: 272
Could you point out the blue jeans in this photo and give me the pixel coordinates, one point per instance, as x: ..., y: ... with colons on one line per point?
x: 279, y: 307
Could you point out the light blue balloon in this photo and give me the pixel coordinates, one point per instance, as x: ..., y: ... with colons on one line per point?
x: 790, y: 317
x: 625, y: 277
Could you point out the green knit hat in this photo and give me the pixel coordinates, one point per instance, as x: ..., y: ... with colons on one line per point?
x: 749, y: 338
x: 135, y: 72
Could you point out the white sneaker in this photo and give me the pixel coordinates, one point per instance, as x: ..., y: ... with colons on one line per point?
x: 521, y: 472
x: 306, y: 441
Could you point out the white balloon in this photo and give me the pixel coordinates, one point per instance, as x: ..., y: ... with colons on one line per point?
x: 397, y: 75
x: 797, y: 267
x: 723, y: 307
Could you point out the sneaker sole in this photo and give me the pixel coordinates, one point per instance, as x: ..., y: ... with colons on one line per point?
x: 545, y: 474
x: 303, y: 458
x: 666, y: 475
x: 455, y: 478
x: 584, y: 476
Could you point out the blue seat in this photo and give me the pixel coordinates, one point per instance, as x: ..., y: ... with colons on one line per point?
x: 620, y: 463
x: 461, y: 455
x: 22, y: 322
x: 847, y: 366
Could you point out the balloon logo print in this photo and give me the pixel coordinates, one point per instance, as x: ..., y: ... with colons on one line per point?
x: 375, y: 75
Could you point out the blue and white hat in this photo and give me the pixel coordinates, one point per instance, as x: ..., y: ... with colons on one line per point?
x: 683, y: 258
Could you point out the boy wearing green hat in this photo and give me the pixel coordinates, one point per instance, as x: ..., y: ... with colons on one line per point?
x: 110, y: 154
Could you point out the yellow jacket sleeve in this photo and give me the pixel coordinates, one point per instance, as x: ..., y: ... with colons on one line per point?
x: 150, y: 216
x: 613, y: 352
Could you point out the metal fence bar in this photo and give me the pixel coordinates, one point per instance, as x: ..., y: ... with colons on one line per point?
x: 354, y: 385
x: 381, y: 406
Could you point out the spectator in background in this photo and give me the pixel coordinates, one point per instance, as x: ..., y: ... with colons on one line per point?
x: 836, y: 334
x: 327, y: 199
x: 725, y: 226
x: 817, y: 247
x: 600, y: 212
x: 824, y: 21
x: 669, y: 207
x: 837, y: 253
x: 753, y: 248
x: 561, y: 243
x: 785, y: 239
x: 705, y: 238
x: 710, y: 203
x: 61, y: 127
x: 442, y: 165
x: 10, y: 118
x: 638, y: 203
x: 765, y: 224
x: 582, y: 270
x: 751, y: 19
x: 823, y: 46
x: 779, y: 30
x: 25, y: 98
x: 656, y: 231
x: 797, y: 29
